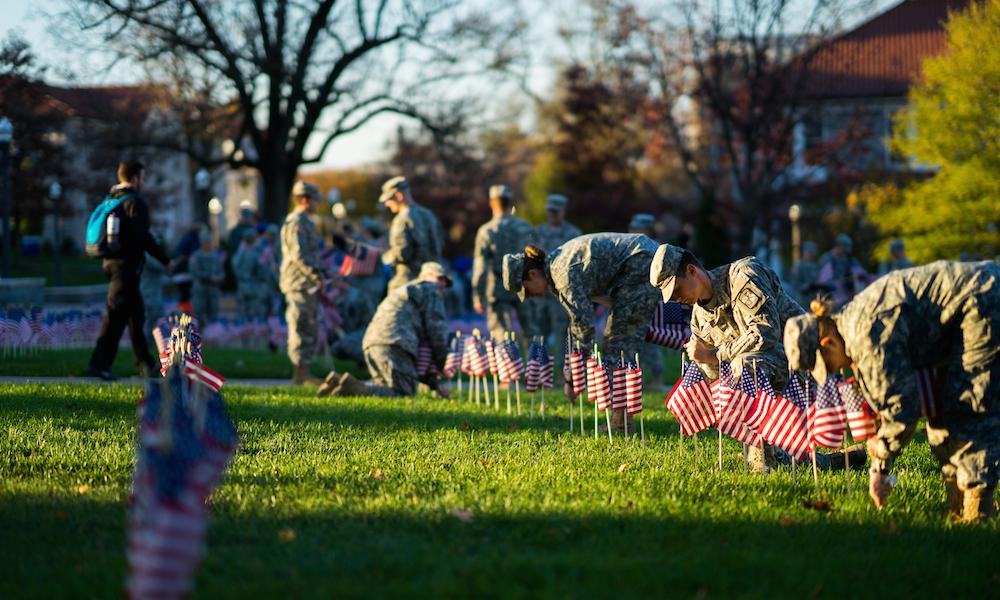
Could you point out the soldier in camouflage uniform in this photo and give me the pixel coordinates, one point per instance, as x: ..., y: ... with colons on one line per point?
x: 503, y: 234
x: 604, y: 268
x: 415, y: 236
x: 251, y: 277
x: 738, y: 314
x: 805, y: 273
x: 547, y: 313
x: 207, y: 274
x: 408, y: 317
x: 897, y: 258
x: 943, y: 316
x: 302, y: 276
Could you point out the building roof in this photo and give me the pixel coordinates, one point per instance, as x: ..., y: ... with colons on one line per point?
x: 883, y: 56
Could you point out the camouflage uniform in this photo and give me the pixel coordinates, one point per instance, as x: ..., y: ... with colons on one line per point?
x: 409, y: 315
x: 502, y: 235
x: 610, y: 268
x: 301, y: 276
x: 745, y: 319
x: 943, y: 315
x: 205, y: 266
x: 415, y: 237
x: 251, y: 280
x: 547, y: 314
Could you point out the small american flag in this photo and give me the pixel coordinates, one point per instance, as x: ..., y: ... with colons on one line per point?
x: 424, y: 360
x: 602, y: 387
x: 691, y: 401
x: 480, y: 362
x: 762, y: 404
x: 513, y: 360
x: 669, y: 326
x: 531, y: 382
x: 633, y: 391
x: 578, y: 372
x: 467, y: 355
x: 827, y: 418
x: 860, y: 417
x: 491, y: 357
x: 361, y: 260
x: 619, y: 395
x: 785, y: 426
x: 733, y: 412
x: 545, y: 379
x: 453, y: 361
x: 202, y: 374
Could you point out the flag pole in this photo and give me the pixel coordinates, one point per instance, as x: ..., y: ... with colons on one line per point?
x: 642, y: 418
x: 458, y: 371
x: 607, y: 406
x: 496, y: 384
x: 517, y: 382
x: 680, y: 433
x: 597, y: 357
x: 580, y: 395
x: 624, y: 418
x: 813, y: 448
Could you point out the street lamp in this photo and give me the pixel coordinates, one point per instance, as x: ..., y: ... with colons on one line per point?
x: 794, y: 213
x: 55, y: 195
x: 215, y: 209
x: 6, y: 135
x: 203, y: 185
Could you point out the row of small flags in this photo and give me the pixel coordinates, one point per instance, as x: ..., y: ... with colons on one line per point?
x: 609, y: 387
x: 22, y: 330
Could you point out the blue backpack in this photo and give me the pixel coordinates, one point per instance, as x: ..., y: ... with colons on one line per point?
x: 97, y: 231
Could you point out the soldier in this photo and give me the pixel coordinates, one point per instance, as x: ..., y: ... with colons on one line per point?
x: 302, y: 276
x: 408, y: 317
x: 738, y: 313
x: 604, y: 268
x: 271, y: 260
x: 840, y: 272
x: 651, y: 354
x: 898, y: 259
x: 642, y: 223
x: 207, y: 273
x: 943, y: 316
x: 503, y: 234
x: 804, y: 274
x: 251, y: 277
x: 547, y: 314
x: 415, y: 236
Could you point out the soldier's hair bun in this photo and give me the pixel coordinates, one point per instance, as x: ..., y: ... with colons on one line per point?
x: 534, y: 253
x: 820, y: 307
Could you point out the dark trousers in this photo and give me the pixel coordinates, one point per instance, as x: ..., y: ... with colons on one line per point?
x: 124, y: 308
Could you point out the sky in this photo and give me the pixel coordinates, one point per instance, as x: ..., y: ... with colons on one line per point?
x: 31, y: 18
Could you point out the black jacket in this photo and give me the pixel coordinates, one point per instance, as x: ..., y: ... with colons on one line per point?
x: 134, y: 236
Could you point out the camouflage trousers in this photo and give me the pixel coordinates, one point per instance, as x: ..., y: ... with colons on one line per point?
x: 252, y: 303
x: 393, y: 371
x: 302, y: 315
x: 967, y: 448
x: 632, y: 306
x: 500, y: 318
x: 205, y: 302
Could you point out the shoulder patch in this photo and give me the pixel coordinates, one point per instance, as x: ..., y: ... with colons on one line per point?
x: 750, y: 297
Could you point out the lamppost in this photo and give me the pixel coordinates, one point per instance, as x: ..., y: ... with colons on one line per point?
x: 794, y: 213
x: 203, y: 186
x: 55, y: 195
x: 214, y: 209
x: 6, y: 135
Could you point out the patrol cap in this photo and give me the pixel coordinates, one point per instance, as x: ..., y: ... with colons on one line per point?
x: 802, y: 346
x: 500, y: 192
x: 430, y: 271
x: 663, y: 269
x: 555, y: 202
x: 391, y: 186
x: 513, y: 274
x: 896, y: 245
x: 641, y: 221
x: 845, y: 240
x: 302, y: 188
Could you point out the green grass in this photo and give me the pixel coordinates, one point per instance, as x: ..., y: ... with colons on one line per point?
x: 232, y: 363
x: 76, y: 270
x: 431, y: 498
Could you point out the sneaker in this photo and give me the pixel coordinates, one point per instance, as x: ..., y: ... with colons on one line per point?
x: 103, y: 375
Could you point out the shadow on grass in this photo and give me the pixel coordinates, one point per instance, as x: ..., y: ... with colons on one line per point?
x: 74, y: 547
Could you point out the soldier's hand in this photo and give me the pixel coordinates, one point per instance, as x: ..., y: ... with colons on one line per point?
x: 879, y: 488
x: 701, y: 352
x: 478, y: 307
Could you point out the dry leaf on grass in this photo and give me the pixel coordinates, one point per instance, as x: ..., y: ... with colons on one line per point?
x: 622, y: 468
x: 377, y: 473
x: 464, y: 516
x: 286, y: 535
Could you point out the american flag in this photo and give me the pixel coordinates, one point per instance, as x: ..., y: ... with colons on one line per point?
x: 591, y: 377
x: 633, y: 391
x: 732, y: 413
x: 492, y: 359
x: 578, y: 372
x: 467, y: 355
x: 860, y: 417
x: 453, y: 361
x: 203, y: 375
x: 362, y: 259
x: 479, y: 363
x: 601, y: 393
x: 826, y: 417
x: 513, y: 360
x: 186, y: 440
x: 424, y: 360
x: 761, y: 406
x: 545, y: 379
x: 785, y: 426
x: 691, y: 401
x: 160, y: 337
x: 619, y: 395
x: 928, y: 383
x: 722, y: 388
x: 531, y: 382
x: 669, y: 326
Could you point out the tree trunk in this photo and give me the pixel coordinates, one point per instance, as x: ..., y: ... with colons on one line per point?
x: 276, y: 181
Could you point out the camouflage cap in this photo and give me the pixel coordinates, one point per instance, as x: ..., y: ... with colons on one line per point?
x: 663, y: 269
x: 391, y: 186
x: 432, y: 271
x: 500, y: 191
x: 845, y: 240
x: 641, y: 221
x: 302, y: 188
x: 555, y: 202
x: 896, y: 245
x: 802, y: 346
x: 513, y: 274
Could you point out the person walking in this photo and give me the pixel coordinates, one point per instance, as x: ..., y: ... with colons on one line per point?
x: 123, y: 270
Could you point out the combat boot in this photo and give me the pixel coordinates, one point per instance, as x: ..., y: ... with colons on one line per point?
x: 617, y: 422
x: 955, y: 498
x: 350, y: 385
x: 332, y: 381
x: 977, y: 504
x: 761, y: 460
x: 301, y: 376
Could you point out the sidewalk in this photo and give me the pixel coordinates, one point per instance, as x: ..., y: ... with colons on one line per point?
x: 132, y: 381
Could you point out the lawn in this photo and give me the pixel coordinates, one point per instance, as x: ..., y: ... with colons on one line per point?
x: 372, y: 497
x: 77, y: 270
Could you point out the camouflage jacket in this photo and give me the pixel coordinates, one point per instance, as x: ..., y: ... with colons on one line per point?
x: 549, y: 238
x: 592, y: 268
x: 502, y: 235
x: 301, y: 261
x: 745, y: 319
x: 205, y: 265
x: 409, y: 315
x: 944, y: 314
x: 415, y: 237
x: 248, y: 267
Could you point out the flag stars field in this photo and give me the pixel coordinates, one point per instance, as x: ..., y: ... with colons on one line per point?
x: 358, y: 496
